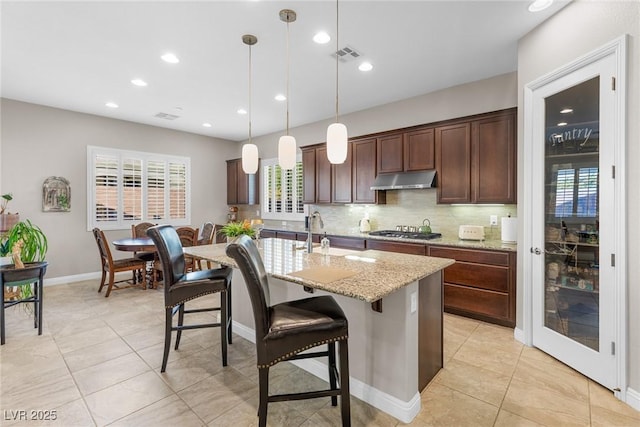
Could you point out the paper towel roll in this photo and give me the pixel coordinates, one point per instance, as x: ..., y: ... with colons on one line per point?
x: 509, y: 229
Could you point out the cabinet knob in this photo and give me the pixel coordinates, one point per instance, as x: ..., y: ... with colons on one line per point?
x: 536, y: 251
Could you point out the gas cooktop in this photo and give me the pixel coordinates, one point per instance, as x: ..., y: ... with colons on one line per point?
x: 405, y: 234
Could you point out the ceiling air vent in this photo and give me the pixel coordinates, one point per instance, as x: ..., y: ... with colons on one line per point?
x: 347, y: 53
x: 166, y: 116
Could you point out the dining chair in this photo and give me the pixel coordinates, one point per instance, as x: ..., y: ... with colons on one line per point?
x: 286, y: 329
x: 206, y: 238
x: 140, y: 230
x: 188, y: 237
x: 111, y: 266
x: 181, y: 286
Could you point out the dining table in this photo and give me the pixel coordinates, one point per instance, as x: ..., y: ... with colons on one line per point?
x: 138, y: 245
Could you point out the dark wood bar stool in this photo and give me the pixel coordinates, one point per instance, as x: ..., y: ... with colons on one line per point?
x: 285, y: 330
x: 33, y: 272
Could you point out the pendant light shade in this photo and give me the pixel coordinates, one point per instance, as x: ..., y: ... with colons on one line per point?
x: 287, y: 143
x: 337, y: 143
x: 250, y: 158
x: 337, y: 137
x: 249, y: 150
x: 287, y: 152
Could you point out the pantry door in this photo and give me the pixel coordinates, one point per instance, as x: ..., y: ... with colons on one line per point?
x: 577, y: 218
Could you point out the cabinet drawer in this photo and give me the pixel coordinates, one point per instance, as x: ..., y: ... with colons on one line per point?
x: 401, y: 247
x: 346, y: 242
x: 471, y: 255
x: 267, y: 233
x: 290, y: 235
x: 476, y: 301
x: 477, y: 275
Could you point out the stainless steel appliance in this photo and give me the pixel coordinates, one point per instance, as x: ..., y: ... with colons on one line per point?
x: 405, y: 234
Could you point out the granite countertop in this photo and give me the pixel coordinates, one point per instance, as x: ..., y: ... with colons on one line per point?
x: 492, y: 244
x: 366, y: 275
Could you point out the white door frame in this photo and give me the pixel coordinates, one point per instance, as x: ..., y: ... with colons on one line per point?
x: 618, y: 48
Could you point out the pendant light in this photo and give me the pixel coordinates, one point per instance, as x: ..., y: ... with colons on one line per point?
x: 249, y: 150
x: 337, y: 132
x: 287, y: 143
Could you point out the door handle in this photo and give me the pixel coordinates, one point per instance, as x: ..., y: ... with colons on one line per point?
x: 536, y: 251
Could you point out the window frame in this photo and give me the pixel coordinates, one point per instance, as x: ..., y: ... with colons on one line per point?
x: 264, y: 208
x: 145, y: 157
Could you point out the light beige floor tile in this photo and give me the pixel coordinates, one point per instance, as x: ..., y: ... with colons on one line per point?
x: 487, y: 356
x: 550, y: 377
x: 442, y: 406
x: 170, y: 411
x: 243, y: 414
x: 105, y: 374
x: 189, y: 370
x: 152, y: 335
x: 545, y: 361
x: 362, y: 414
x: 480, y: 383
x: 96, y: 354
x: 544, y: 406
x: 125, y: 398
x: 71, y: 414
x: 153, y: 355
x: 217, y: 393
x: 604, y: 402
x: 48, y: 390
x: 69, y: 343
x: 461, y: 325
x: 507, y: 419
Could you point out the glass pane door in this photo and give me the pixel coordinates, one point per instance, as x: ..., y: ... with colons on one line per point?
x: 572, y: 299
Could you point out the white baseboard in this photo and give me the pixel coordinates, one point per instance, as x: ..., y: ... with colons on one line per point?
x: 518, y: 335
x: 403, y: 411
x: 71, y: 279
x: 632, y: 398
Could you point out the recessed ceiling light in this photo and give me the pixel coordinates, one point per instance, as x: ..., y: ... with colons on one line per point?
x: 242, y: 111
x: 280, y: 97
x: 562, y: 124
x: 566, y: 110
x: 207, y: 125
x: 139, y: 82
x: 365, y: 66
x: 322, y: 38
x: 170, y: 58
x: 111, y: 105
x: 539, y: 5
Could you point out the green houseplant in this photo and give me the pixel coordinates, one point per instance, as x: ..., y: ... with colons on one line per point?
x: 34, y: 246
x: 233, y: 229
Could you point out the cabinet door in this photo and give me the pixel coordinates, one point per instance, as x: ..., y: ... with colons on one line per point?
x: 341, y: 180
x: 309, y: 175
x: 232, y: 182
x: 364, y: 171
x: 243, y: 185
x: 494, y: 160
x: 419, y: 150
x: 453, y: 163
x: 390, y: 154
x: 323, y: 176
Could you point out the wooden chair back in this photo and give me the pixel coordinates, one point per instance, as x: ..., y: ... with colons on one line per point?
x: 140, y: 229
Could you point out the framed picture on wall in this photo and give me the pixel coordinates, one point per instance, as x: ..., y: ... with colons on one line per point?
x: 56, y: 195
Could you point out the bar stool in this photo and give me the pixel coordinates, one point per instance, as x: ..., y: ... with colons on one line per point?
x: 285, y: 330
x: 31, y: 273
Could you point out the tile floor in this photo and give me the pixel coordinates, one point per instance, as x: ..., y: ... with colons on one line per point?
x: 98, y: 363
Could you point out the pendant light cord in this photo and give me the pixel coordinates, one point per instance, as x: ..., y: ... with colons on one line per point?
x: 337, y: 58
x: 288, y: 70
x: 250, y: 94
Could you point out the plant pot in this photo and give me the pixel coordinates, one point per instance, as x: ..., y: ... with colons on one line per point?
x: 7, y: 221
x: 6, y: 260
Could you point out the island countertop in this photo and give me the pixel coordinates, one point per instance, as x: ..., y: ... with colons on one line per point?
x: 368, y: 275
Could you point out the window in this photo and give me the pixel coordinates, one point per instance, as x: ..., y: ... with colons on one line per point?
x: 126, y: 187
x: 282, y: 191
x: 577, y: 192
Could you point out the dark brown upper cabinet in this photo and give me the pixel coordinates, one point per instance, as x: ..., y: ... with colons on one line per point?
x: 341, y: 180
x: 308, y: 175
x: 476, y: 159
x: 364, y: 172
x: 406, y: 151
x: 242, y: 188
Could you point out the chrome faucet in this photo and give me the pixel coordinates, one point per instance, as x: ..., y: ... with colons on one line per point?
x: 310, y: 218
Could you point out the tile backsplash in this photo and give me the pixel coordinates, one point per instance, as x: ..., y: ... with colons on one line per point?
x: 404, y: 207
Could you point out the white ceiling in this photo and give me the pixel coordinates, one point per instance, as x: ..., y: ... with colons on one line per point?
x: 80, y: 55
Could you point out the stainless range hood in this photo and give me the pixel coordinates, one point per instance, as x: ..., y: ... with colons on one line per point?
x: 405, y: 181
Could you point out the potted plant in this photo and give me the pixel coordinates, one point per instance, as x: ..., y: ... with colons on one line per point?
x: 233, y: 229
x: 32, y: 243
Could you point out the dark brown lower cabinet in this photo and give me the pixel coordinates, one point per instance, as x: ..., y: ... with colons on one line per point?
x: 481, y: 284
x: 401, y: 247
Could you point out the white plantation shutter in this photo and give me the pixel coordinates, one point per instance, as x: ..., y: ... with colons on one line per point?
x: 577, y: 198
x: 127, y: 187
x: 564, y: 193
x: 587, y: 192
x: 282, y: 191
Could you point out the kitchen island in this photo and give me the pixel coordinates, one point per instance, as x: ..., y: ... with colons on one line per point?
x: 393, y: 303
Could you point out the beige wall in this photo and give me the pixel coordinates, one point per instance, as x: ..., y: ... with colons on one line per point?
x: 38, y: 142
x: 577, y: 29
